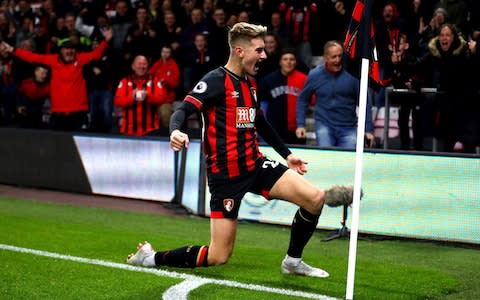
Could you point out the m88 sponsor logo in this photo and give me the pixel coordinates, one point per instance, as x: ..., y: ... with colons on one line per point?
x: 245, y: 117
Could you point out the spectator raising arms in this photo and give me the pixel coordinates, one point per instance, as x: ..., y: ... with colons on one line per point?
x: 68, y: 92
x: 138, y: 95
x: 451, y: 62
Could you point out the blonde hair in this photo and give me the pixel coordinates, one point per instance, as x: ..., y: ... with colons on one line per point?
x: 245, y: 32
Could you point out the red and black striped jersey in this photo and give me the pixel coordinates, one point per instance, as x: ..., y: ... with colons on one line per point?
x: 229, y: 106
x: 139, y: 116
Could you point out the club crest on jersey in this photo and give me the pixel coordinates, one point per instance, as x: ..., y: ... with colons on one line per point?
x: 245, y: 117
x: 254, y: 93
x: 201, y: 87
x: 228, y: 204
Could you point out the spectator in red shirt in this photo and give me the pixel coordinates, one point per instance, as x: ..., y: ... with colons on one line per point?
x: 166, y: 70
x: 139, y: 95
x: 32, y: 94
x: 68, y: 92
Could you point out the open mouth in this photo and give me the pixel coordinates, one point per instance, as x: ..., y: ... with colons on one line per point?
x: 444, y: 45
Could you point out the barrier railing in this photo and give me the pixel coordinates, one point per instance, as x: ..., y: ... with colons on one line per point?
x: 386, y: 126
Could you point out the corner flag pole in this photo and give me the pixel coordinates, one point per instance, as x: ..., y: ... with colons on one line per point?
x: 352, y: 253
x: 364, y: 38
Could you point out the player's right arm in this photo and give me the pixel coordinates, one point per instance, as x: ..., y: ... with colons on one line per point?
x: 208, y: 90
x: 179, y: 139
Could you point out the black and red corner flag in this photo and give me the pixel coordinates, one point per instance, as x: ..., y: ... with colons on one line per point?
x: 360, y: 43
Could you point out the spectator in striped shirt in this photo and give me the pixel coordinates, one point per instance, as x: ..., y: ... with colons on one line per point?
x: 139, y: 95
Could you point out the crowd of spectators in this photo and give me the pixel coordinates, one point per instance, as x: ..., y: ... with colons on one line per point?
x: 192, y: 36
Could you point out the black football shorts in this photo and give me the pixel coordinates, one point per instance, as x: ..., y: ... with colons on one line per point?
x: 226, y: 197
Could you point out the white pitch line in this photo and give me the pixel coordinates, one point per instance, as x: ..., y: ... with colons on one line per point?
x: 187, y: 277
x: 180, y: 291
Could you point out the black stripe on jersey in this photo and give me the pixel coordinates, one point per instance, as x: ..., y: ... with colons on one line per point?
x: 144, y: 114
x: 153, y: 109
x: 221, y: 129
x: 256, y: 104
x: 241, y: 160
x: 134, y: 116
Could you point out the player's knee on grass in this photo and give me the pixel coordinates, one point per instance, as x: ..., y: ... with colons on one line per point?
x: 217, y: 259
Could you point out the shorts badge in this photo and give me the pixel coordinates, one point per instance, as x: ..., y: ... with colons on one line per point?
x: 228, y: 204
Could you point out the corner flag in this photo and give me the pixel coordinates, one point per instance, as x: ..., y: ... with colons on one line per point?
x: 360, y: 43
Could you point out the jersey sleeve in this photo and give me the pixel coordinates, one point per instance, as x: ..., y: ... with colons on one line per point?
x: 208, y: 91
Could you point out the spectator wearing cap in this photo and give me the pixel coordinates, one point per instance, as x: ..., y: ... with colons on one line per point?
x: 68, y: 31
x: 80, y: 42
x: 456, y: 12
x: 68, y: 92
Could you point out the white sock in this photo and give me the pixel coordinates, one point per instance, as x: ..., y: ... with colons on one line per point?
x: 149, y: 261
x: 292, y: 260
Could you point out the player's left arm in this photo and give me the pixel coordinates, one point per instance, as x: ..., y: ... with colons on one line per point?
x: 273, y: 139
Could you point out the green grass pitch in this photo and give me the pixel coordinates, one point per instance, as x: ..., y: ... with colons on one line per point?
x: 385, y: 269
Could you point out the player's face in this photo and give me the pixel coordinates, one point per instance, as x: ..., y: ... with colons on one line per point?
x: 287, y: 63
x: 333, y: 59
x: 253, y: 54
